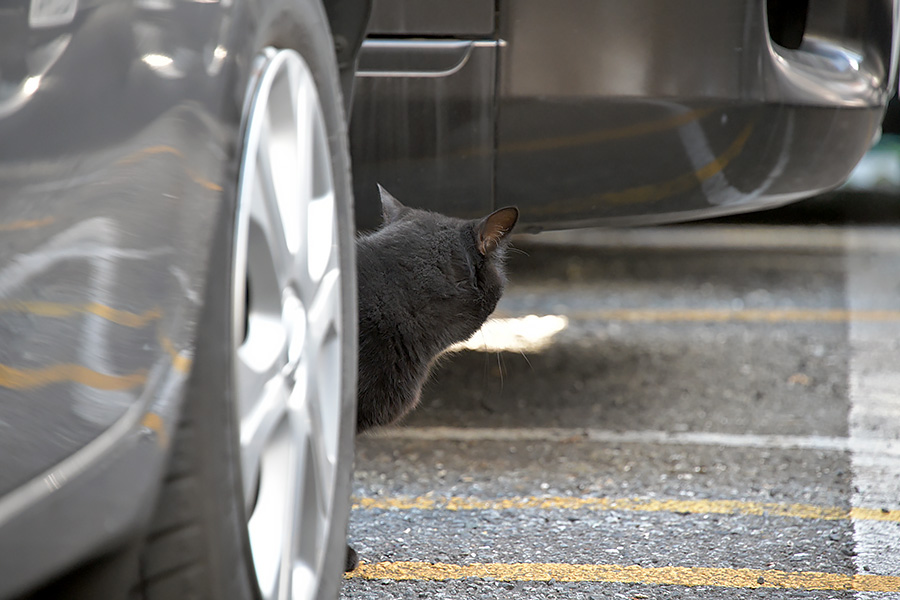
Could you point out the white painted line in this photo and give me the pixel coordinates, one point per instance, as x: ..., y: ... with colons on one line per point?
x: 873, y: 278
x: 704, y: 237
x: 874, y: 449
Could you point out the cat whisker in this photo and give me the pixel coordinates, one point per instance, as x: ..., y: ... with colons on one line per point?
x: 484, y: 375
x: 512, y: 248
x: 525, y: 356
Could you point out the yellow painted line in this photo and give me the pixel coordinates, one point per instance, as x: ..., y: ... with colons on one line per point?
x: 60, y: 310
x: 764, y: 315
x: 608, y: 135
x: 681, y: 576
x: 26, y: 224
x: 724, y: 507
x: 26, y: 379
x: 155, y: 423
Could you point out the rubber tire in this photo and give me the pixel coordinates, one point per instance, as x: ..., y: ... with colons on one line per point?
x: 197, y: 545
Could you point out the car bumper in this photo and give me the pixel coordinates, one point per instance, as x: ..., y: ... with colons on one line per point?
x: 601, y: 112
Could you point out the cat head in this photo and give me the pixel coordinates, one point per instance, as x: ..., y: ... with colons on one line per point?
x: 449, y: 269
x: 490, y: 232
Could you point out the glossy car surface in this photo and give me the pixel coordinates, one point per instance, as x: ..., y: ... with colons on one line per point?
x: 587, y: 112
x: 120, y: 138
x: 122, y: 130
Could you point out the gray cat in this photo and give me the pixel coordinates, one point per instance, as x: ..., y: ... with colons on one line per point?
x: 426, y: 281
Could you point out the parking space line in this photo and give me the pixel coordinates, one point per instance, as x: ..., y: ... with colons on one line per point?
x: 748, y: 315
x: 878, y: 447
x: 612, y: 573
x: 825, y: 238
x: 872, y: 279
x: 696, y: 506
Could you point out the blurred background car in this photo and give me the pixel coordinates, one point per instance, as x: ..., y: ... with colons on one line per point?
x: 177, y: 292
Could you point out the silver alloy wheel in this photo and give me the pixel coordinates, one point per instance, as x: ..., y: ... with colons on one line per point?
x: 287, y: 324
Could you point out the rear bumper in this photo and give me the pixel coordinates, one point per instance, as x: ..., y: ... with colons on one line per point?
x: 653, y: 111
x: 593, y: 112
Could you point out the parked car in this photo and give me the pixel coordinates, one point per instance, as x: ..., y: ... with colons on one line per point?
x: 177, y: 293
x: 601, y: 112
x: 177, y: 298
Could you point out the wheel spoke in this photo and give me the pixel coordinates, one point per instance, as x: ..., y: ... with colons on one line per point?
x: 307, y: 112
x: 269, y: 526
x: 257, y: 427
x: 260, y: 358
x: 302, y: 500
x: 321, y: 462
x: 321, y: 236
x: 324, y: 310
x: 268, y: 208
x: 305, y: 109
x: 324, y: 353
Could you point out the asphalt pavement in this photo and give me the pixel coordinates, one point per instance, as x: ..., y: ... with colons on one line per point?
x: 699, y: 411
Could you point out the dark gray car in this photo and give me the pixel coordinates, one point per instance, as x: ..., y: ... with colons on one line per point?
x: 177, y: 298
x: 607, y: 112
x: 177, y: 275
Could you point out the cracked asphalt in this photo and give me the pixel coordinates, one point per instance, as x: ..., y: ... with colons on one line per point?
x: 699, y: 411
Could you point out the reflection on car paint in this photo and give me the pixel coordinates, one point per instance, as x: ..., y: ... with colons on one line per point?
x: 14, y: 96
x: 153, y: 422
x: 60, y: 310
x: 103, y: 389
x: 101, y: 282
x: 646, y: 194
x: 162, y: 149
x: 683, y: 117
x: 26, y: 224
x: 717, y: 189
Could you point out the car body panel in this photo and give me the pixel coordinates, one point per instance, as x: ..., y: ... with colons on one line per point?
x: 611, y: 113
x: 464, y: 18
x: 107, y: 220
x: 423, y: 123
x: 118, y: 128
x: 120, y: 125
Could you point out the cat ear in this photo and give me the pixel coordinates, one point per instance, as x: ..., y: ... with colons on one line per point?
x: 391, y: 209
x: 492, y: 229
